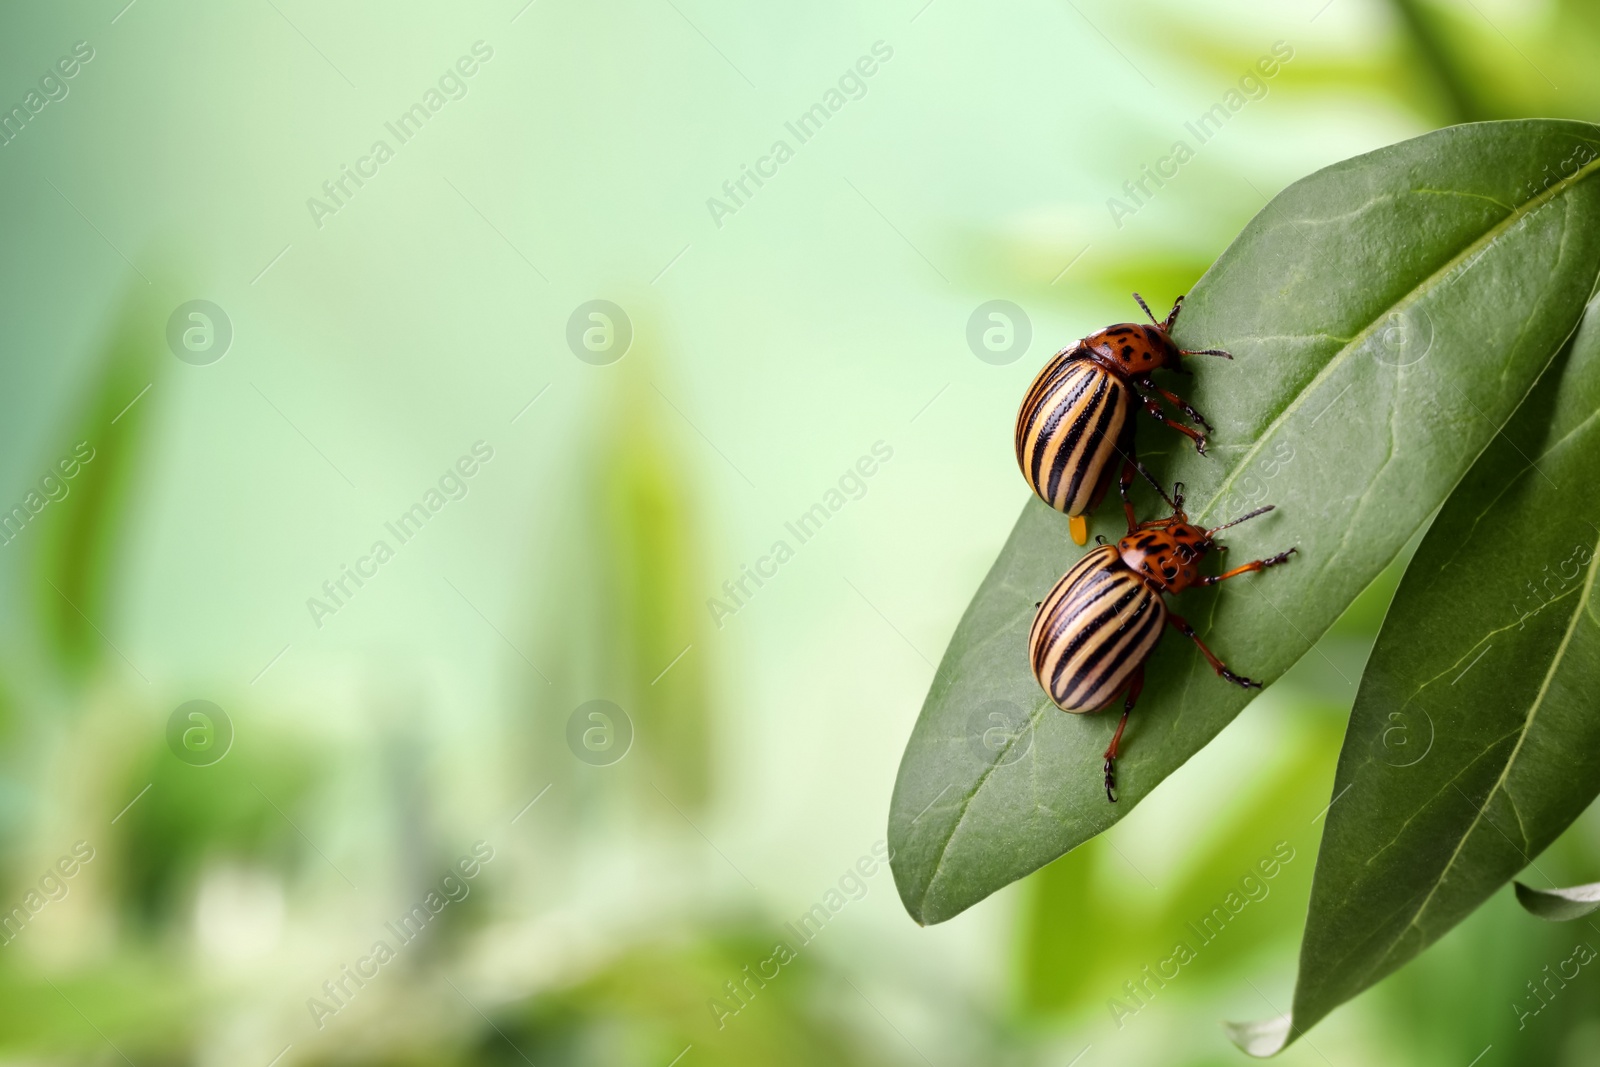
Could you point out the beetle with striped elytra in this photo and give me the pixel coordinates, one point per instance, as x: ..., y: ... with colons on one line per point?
x: 1096, y: 627
x: 1078, y: 413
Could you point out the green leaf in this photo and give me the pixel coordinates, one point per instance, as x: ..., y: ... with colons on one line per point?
x: 79, y: 540
x: 1473, y: 742
x: 1388, y: 314
x: 1560, y: 905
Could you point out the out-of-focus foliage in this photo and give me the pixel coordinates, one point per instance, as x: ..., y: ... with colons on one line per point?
x: 371, y: 753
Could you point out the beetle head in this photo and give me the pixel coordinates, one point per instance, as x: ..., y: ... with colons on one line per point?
x: 1167, y: 552
x: 1135, y: 348
x: 1138, y: 348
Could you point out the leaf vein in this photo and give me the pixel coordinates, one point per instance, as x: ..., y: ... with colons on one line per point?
x: 1482, y: 243
x: 1527, y: 726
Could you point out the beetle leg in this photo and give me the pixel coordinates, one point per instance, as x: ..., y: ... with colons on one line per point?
x: 1128, y: 466
x: 1153, y: 406
x: 1127, y: 449
x: 1183, y: 406
x: 1256, y: 565
x: 1135, y: 685
x: 1179, y: 623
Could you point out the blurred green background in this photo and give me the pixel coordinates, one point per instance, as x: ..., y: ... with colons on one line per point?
x: 647, y: 856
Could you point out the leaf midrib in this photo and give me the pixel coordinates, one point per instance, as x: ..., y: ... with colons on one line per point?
x: 1511, y: 760
x: 1411, y: 296
x: 966, y: 805
x: 1483, y: 241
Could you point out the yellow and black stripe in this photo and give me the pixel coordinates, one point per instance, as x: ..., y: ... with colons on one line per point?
x: 1093, y: 630
x: 1068, y: 430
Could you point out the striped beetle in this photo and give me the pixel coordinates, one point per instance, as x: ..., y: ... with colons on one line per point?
x: 1096, y: 627
x: 1079, y: 411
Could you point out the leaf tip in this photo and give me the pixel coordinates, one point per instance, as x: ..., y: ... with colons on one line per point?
x: 1261, y: 1039
x: 909, y: 898
x: 1559, y: 905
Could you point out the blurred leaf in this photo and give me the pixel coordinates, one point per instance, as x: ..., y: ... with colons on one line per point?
x: 238, y: 808
x: 1082, y: 936
x: 1462, y: 100
x: 1560, y: 905
x: 81, y: 533
x: 1416, y: 293
x: 706, y: 991
x: 1445, y: 790
x: 657, y: 618
x: 1543, y: 60
x: 630, y: 623
x: 147, y: 1000
x: 1064, y: 919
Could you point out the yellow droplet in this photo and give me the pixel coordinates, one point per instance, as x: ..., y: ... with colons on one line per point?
x: 1079, y: 527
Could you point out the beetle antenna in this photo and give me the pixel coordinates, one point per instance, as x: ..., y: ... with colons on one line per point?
x: 1258, y: 511
x: 1205, y: 352
x: 1172, y: 316
x: 1147, y: 310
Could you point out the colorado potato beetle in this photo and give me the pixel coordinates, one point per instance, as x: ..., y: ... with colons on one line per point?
x: 1094, y: 630
x: 1079, y: 413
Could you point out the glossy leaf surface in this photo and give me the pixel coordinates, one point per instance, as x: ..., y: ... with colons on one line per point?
x: 1388, y: 315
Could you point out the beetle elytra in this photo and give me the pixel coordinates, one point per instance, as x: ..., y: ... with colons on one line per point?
x: 1096, y: 627
x: 1078, y: 413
